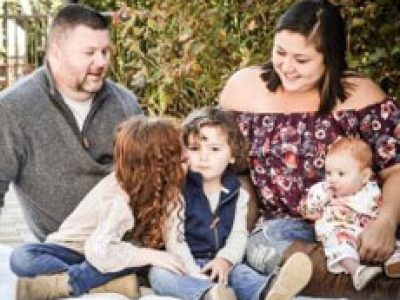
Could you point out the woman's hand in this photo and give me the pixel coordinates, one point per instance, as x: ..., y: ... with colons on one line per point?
x: 218, y: 268
x: 168, y: 261
x: 377, y: 241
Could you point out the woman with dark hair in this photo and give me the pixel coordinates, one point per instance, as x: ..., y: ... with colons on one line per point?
x: 117, y: 229
x: 291, y: 109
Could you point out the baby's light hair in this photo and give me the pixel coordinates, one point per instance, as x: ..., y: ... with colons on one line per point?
x: 357, y: 148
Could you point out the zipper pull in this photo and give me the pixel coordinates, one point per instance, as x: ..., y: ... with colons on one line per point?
x: 214, y: 222
x: 85, y: 142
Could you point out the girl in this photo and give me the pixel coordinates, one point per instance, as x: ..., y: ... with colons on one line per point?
x: 342, y: 205
x: 209, y: 233
x: 117, y: 228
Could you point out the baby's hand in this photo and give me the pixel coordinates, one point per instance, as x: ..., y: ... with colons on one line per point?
x: 308, y: 210
x: 218, y: 268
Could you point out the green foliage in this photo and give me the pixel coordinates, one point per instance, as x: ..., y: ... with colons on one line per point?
x: 375, y: 41
x: 177, y: 54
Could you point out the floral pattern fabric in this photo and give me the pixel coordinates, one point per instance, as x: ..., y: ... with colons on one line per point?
x: 288, y: 150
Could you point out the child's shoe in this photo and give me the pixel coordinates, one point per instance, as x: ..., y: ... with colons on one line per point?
x: 392, y: 266
x: 364, y: 275
x: 292, y: 278
x: 43, y: 287
x: 126, y: 285
x: 220, y: 292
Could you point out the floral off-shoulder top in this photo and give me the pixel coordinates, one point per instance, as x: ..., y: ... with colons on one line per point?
x: 288, y: 150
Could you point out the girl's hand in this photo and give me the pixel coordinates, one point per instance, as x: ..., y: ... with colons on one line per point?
x: 168, y: 261
x: 219, y: 270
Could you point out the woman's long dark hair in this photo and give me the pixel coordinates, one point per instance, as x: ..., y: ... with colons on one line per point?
x: 147, y: 154
x: 320, y: 22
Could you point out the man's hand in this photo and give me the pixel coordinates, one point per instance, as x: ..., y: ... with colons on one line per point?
x: 376, y: 243
x: 218, y: 268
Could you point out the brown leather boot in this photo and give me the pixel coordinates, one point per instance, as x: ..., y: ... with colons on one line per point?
x: 43, y: 287
x: 126, y: 285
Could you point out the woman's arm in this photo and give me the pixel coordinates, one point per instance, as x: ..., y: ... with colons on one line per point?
x: 376, y: 243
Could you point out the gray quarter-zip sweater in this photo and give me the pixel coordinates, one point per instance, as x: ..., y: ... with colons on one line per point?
x: 51, y: 163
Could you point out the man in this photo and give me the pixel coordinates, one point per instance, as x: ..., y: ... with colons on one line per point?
x: 56, y: 125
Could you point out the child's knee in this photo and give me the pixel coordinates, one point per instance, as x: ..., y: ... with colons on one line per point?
x: 158, y: 276
x: 262, y: 254
x: 20, y: 261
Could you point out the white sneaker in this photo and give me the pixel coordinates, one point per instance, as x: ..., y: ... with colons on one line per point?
x: 292, y: 278
x: 364, y: 275
x: 392, y: 265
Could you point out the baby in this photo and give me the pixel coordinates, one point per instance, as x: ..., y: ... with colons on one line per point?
x: 342, y: 205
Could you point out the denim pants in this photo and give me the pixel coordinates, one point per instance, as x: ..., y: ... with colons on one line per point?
x: 45, y: 258
x: 247, y: 283
x: 267, y: 244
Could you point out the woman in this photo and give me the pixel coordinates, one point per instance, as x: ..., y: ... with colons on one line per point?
x: 291, y: 109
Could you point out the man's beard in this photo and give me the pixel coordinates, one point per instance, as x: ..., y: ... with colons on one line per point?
x: 80, y: 87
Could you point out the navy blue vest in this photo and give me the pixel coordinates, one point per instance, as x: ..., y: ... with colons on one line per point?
x: 205, y: 232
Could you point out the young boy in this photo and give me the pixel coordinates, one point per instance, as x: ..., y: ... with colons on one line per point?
x: 209, y: 233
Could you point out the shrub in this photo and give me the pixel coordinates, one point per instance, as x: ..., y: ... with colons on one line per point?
x: 177, y: 54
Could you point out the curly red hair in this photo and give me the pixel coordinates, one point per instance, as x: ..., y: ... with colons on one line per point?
x: 147, y: 163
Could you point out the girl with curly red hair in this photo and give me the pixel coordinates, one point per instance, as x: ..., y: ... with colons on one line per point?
x: 117, y: 229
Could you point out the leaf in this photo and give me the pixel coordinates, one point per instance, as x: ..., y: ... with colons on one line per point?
x: 357, y: 22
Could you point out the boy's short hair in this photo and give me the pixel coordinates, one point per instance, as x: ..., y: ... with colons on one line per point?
x: 73, y: 15
x: 223, y: 119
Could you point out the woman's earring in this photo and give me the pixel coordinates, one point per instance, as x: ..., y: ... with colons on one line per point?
x: 232, y: 161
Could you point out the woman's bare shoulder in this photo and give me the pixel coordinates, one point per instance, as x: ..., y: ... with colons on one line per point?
x: 362, y: 92
x: 242, y: 88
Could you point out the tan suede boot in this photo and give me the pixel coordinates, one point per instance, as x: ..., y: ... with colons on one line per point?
x: 126, y: 285
x: 43, y: 287
x: 292, y: 278
x: 220, y: 292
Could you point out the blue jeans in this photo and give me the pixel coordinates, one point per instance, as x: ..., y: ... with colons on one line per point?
x: 267, y: 244
x: 247, y: 283
x: 45, y: 258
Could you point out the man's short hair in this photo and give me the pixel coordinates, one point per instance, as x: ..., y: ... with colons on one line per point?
x: 73, y: 15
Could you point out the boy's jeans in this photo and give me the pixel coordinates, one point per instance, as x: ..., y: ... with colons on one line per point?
x: 45, y: 258
x: 267, y: 244
x: 247, y: 283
